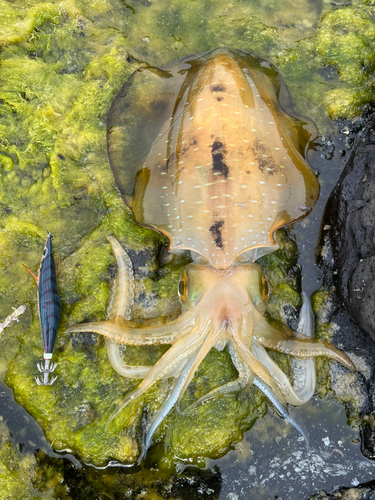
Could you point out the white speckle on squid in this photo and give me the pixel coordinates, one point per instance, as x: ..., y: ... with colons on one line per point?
x: 180, y: 182
x: 279, y: 185
x: 196, y: 149
x: 253, y: 201
x: 244, y: 140
x: 271, y: 123
x: 273, y: 202
x: 261, y: 182
x: 199, y: 166
x: 214, y: 197
x: 198, y: 202
x: 182, y: 201
x: 180, y: 162
x: 189, y: 217
x: 250, y: 215
x: 197, y: 187
x: 166, y: 205
x: 250, y: 231
x: 254, y: 130
x: 177, y: 217
x: 164, y: 187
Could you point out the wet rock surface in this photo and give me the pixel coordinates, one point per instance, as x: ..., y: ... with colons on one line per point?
x: 347, y: 257
x: 361, y: 493
x: 349, y: 241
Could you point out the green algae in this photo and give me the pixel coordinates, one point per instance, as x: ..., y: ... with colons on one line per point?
x: 61, y: 65
x: 346, y: 41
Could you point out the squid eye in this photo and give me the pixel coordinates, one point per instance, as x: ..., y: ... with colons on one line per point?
x: 182, y: 287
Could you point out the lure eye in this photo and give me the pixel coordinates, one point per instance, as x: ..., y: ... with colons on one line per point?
x: 45, y: 253
x: 182, y: 287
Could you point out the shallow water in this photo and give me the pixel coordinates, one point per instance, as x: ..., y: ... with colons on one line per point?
x: 272, y: 460
x: 286, y: 468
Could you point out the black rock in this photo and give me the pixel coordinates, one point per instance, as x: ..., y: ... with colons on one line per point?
x: 349, y: 243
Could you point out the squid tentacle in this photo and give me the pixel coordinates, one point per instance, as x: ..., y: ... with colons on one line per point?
x: 122, y: 306
x: 256, y: 366
x: 130, y: 333
x: 282, y: 410
x: 276, y: 372
x: 168, y: 404
x: 119, y: 365
x: 267, y: 391
x: 210, y: 340
x: 124, y: 290
x: 244, y: 380
x: 304, y: 369
x: 164, y: 366
x: 304, y: 347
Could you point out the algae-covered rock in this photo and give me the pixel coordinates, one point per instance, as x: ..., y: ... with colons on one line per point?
x: 333, y: 381
x: 61, y: 64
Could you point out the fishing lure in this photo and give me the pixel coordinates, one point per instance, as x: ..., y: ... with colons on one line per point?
x: 49, y: 310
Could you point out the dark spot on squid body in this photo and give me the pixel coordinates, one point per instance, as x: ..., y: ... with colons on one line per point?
x: 218, y: 88
x: 266, y: 163
x: 219, y: 166
x: 216, y: 230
